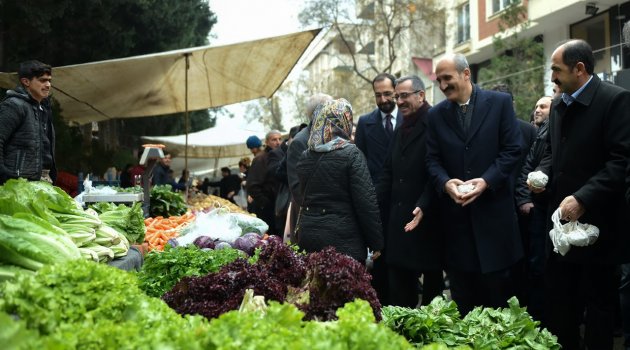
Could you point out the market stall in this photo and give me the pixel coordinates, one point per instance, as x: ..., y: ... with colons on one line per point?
x: 210, y: 149
x: 163, y: 83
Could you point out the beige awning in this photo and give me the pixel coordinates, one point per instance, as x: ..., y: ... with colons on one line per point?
x: 154, y: 84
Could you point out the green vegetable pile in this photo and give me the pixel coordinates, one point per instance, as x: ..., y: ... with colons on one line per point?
x: 482, y: 328
x: 282, y: 327
x: 162, y: 270
x: 126, y: 220
x: 85, y: 305
x: 29, y: 242
x: 164, y: 202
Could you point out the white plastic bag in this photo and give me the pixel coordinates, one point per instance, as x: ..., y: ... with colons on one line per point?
x: 241, y: 198
x: 222, y: 225
x: 217, y: 224
x: 571, y: 233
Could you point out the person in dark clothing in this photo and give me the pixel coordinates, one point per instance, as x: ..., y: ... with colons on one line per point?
x: 27, y: 137
x: 229, y: 185
x: 125, y: 177
x: 528, y: 135
x: 586, y: 155
x: 473, y: 146
x: 533, y: 211
x: 406, y: 193
x: 262, y: 185
x: 339, y: 207
x: 295, y: 150
x: 204, y: 186
x: 278, y: 166
x: 163, y: 174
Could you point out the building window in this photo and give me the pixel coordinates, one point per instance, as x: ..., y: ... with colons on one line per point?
x: 500, y: 5
x: 463, y: 23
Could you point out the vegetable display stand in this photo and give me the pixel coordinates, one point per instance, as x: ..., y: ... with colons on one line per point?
x: 119, y: 197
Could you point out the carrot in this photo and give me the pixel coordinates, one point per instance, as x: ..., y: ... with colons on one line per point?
x: 159, y: 229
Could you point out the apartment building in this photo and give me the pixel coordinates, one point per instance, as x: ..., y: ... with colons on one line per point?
x: 471, y: 25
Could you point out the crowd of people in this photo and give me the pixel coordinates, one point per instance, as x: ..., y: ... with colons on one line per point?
x: 441, y: 193
x: 430, y: 193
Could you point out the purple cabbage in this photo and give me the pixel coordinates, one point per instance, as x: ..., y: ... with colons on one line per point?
x: 247, y: 242
x: 204, y: 242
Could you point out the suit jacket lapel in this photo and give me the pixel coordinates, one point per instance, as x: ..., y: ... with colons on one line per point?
x: 376, y: 131
x: 480, y: 110
x: 417, y: 131
x: 450, y: 116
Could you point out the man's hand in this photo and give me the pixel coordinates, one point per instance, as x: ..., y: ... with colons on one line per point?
x: 535, y: 189
x: 480, y: 186
x: 230, y: 194
x: 524, y: 209
x: 571, y: 209
x: 249, y: 199
x: 450, y: 187
x: 417, y: 213
x: 376, y: 254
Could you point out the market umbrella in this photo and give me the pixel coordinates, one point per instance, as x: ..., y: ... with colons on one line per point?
x: 155, y: 84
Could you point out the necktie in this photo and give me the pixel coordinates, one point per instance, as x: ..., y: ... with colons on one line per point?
x: 388, y: 125
x: 462, y: 116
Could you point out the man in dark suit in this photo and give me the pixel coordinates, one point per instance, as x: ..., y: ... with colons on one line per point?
x: 473, y: 145
x: 411, y: 253
x: 375, y: 129
x: 586, y: 157
x: 373, y: 137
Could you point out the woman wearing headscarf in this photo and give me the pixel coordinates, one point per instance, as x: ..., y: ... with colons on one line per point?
x: 339, y: 205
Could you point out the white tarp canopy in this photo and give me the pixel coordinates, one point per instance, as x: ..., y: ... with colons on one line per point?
x: 155, y: 84
x: 209, y: 149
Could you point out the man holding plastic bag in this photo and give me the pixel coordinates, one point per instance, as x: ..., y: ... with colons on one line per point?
x: 585, y: 158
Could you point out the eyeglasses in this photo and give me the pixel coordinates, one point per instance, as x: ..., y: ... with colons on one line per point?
x: 387, y: 94
x: 405, y: 95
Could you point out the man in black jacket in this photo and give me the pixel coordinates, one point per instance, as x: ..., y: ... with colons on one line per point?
x: 27, y: 137
x: 585, y: 157
x: 229, y: 185
x: 532, y: 208
x: 262, y: 185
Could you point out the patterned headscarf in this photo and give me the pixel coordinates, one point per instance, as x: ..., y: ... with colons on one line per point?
x: 332, y: 126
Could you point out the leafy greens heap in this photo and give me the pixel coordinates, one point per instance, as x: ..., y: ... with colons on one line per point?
x: 85, y: 305
x: 482, y: 328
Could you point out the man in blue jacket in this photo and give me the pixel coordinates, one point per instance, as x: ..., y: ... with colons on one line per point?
x: 27, y: 137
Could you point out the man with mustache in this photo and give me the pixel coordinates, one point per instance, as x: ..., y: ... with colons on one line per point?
x: 587, y: 149
x: 414, y: 249
x: 373, y: 137
x: 27, y: 137
x: 473, y: 146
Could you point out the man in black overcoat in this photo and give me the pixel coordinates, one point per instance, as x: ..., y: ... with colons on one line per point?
x: 411, y: 253
x: 473, y: 146
x: 585, y: 158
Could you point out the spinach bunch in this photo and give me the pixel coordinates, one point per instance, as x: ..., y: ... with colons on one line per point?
x: 162, y: 270
x: 482, y: 328
x: 164, y: 202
